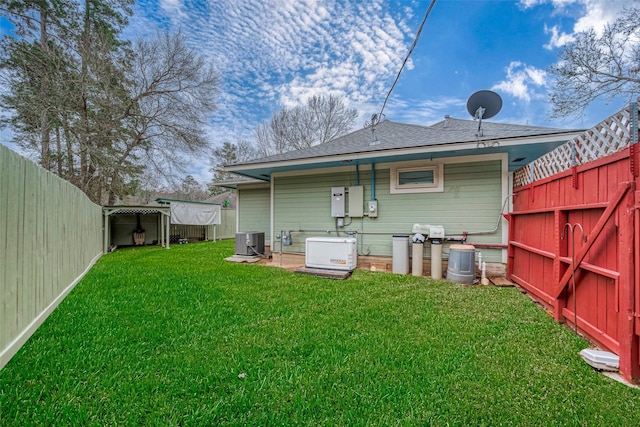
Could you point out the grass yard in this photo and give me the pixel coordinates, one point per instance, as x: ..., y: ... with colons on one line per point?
x: 181, y: 337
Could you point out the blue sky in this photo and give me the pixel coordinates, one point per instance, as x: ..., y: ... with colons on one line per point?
x: 275, y: 53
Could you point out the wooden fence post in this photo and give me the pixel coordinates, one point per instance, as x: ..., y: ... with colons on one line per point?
x: 510, y: 248
x: 629, y: 363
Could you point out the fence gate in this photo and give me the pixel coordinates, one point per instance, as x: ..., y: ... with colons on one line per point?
x: 574, y: 235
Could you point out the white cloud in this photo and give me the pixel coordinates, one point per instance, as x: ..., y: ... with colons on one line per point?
x: 521, y: 81
x: 558, y: 39
x: 173, y: 8
x: 425, y: 112
x: 588, y: 14
x: 272, y: 53
x: 597, y: 14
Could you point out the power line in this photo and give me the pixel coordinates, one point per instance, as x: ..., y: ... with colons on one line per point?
x: 415, y: 42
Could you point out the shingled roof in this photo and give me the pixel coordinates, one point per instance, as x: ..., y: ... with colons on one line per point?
x: 391, y: 141
x: 389, y: 135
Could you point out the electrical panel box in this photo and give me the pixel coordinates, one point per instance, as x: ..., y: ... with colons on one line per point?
x: 356, y: 201
x: 373, y: 209
x: 337, y: 201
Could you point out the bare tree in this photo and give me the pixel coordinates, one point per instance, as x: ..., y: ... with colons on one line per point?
x: 172, y: 95
x: 595, y: 66
x: 320, y: 120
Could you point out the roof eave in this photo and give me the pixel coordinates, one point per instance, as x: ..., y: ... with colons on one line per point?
x: 372, y: 155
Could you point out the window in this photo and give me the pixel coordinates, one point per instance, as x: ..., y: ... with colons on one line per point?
x: 416, y: 178
x: 423, y: 179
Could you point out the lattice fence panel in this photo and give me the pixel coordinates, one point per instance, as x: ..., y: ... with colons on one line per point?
x: 610, y: 136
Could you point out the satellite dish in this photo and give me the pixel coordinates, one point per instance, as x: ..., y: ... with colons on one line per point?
x: 484, y: 104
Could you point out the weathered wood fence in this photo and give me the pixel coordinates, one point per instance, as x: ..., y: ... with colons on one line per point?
x: 227, y: 227
x: 574, y: 236
x: 50, y: 235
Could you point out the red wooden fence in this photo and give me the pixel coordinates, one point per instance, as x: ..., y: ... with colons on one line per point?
x: 574, y: 245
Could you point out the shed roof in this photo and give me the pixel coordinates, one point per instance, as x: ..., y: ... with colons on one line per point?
x: 134, y: 210
x: 165, y: 200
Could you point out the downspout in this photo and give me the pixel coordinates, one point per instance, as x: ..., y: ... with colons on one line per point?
x: 271, y: 213
x: 373, y: 181
x: 237, y: 209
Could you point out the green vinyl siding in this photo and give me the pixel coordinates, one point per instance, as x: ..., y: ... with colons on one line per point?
x: 303, y: 206
x: 471, y: 201
x: 254, y: 208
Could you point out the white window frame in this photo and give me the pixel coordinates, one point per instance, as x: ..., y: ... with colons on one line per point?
x: 436, y: 187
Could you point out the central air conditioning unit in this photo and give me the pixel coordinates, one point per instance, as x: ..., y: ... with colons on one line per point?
x: 335, y: 253
x: 250, y: 243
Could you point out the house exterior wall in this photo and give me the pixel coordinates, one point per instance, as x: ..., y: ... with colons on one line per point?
x: 254, y: 210
x: 470, y: 201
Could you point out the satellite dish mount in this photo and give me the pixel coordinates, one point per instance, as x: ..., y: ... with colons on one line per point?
x: 375, y: 119
x: 483, y: 104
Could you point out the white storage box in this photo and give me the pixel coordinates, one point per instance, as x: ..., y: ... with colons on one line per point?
x: 334, y: 253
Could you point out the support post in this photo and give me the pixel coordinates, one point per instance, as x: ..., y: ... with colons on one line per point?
x: 161, y: 241
x: 105, y: 242
x: 636, y: 262
x: 511, y: 219
x: 167, y: 225
x: 629, y: 363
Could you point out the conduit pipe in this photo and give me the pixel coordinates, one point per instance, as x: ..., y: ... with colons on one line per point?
x: 472, y: 233
x: 489, y: 245
x: 379, y: 233
x: 373, y: 181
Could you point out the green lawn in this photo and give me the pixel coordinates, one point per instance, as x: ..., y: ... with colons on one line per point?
x: 181, y: 337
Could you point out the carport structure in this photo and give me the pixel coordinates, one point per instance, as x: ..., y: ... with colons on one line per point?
x: 162, y: 214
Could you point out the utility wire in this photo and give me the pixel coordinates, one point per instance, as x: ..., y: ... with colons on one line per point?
x: 415, y: 42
